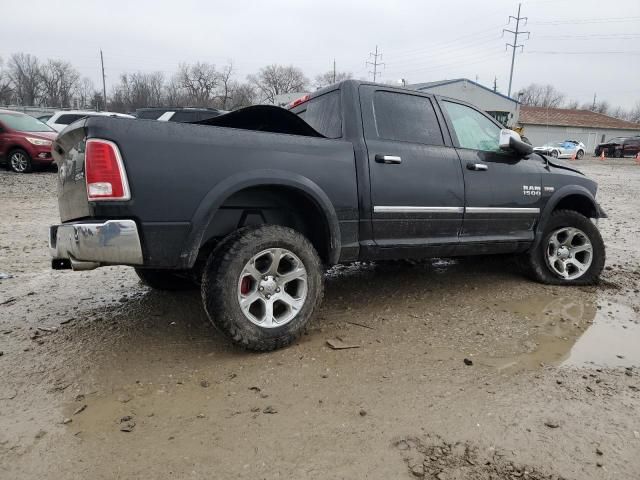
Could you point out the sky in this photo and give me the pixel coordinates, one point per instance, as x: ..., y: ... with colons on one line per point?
x: 582, y: 47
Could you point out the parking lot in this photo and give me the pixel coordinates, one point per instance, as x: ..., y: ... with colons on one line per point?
x: 461, y: 368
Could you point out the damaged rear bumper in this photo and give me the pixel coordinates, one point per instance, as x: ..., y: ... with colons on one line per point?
x: 85, y: 246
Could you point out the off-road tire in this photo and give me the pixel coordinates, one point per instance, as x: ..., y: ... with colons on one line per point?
x: 535, y: 258
x: 220, y: 283
x: 165, y: 280
x: 19, y: 151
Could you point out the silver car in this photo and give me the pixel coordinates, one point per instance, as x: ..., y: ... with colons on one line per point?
x: 566, y: 149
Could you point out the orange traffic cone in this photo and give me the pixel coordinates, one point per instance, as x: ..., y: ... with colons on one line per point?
x: 573, y: 157
x: 638, y: 158
x: 602, y: 155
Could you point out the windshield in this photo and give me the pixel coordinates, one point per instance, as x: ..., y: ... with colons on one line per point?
x: 23, y: 123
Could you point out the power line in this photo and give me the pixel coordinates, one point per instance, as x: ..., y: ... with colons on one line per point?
x: 584, y: 21
x: 611, y: 52
x: 375, y: 63
x: 515, y: 45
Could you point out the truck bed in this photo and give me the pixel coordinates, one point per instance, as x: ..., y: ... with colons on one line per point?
x: 178, y: 172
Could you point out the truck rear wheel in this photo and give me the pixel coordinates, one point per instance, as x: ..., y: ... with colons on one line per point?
x: 167, y: 280
x: 571, y: 252
x: 261, y: 286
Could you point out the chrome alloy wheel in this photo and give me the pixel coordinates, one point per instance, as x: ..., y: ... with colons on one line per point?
x: 19, y: 162
x: 272, y: 287
x: 569, y: 253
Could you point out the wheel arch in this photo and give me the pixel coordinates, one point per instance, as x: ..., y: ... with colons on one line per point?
x: 281, y: 188
x: 570, y: 197
x: 13, y: 147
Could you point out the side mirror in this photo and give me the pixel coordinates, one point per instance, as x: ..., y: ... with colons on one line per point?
x: 510, y: 140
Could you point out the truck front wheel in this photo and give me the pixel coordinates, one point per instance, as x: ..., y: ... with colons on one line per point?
x: 168, y: 280
x: 261, y: 286
x: 571, y: 252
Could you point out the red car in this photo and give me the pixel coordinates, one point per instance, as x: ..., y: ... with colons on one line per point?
x: 25, y: 142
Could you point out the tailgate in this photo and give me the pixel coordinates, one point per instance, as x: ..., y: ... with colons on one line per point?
x: 68, y: 152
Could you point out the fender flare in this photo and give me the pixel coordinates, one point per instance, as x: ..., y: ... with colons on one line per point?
x: 560, y: 194
x: 212, y: 202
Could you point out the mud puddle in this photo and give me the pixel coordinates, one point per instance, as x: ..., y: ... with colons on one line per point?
x: 572, y: 332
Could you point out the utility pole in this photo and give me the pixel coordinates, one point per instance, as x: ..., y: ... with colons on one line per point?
x: 375, y: 63
x: 104, y: 86
x: 515, y: 45
x: 594, y: 102
x: 495, y: 84
x: 334, y: 70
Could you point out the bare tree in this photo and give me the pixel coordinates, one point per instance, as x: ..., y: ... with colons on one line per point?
x: 541, y: 96
x: 199, y: 82
x: 620, y: 113
x: 242, y: 95
x: 84, y: 92
x: 59, y: 81
x: 331, y: 77
x: 274, y: 80
x: 226, y: 86
x: 572, y: 104
x: 174, y: 93
x: 601, y: 107
x: 24, y: 73
x: 634, y: 113
x: 137, y: 90
x: 6, y: 92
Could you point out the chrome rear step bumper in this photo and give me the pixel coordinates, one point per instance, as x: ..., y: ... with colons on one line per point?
x: 85, y: 246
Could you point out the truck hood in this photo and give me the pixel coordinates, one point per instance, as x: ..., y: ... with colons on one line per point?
x: 555, y: 163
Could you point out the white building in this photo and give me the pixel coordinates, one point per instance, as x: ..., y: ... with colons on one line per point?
x: 502, y: 108
x: 542, y: 125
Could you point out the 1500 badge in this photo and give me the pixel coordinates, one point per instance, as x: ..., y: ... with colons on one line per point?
x: 531, y: 190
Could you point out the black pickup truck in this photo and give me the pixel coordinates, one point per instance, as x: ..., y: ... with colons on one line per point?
x: 253, y: 205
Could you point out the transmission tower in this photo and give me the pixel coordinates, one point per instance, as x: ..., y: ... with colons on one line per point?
x: 375, y: 63
x: 515, y: 45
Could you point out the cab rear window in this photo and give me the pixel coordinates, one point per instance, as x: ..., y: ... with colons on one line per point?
x: 324, y: 114
x: 69, y: 118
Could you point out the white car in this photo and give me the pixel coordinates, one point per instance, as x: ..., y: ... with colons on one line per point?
x: 59, y: 120
x: 566, y: 149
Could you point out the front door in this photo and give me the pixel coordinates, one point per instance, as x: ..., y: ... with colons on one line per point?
x: 417, y: 190
x: 503, y: 193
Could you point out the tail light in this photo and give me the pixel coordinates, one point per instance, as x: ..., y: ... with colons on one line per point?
x: 298, y: 101
x: 104, y: 172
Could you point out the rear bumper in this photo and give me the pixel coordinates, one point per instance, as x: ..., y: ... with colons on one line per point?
x: 85, y: 246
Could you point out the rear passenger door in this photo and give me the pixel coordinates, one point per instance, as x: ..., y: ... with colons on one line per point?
x: 416, y: 182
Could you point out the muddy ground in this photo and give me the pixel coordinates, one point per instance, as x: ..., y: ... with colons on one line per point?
x: 103, y: 378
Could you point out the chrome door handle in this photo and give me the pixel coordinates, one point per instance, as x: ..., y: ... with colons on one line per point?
x: 388, y: 159
x: 477, y: 166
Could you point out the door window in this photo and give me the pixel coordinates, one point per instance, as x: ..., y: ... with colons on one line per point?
x: 406, y: 118
x: 474, y: 130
